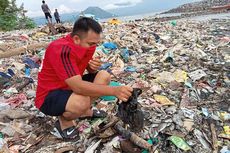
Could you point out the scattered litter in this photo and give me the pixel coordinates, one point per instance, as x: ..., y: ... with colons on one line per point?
x: 181, y: 66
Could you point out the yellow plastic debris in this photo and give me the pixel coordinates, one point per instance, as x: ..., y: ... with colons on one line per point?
x: 226, y: 133
x: 227, y: 130
x: 180, y: 76
x: 224, y: 116
x: 114, y: 21
x: 163, y: 100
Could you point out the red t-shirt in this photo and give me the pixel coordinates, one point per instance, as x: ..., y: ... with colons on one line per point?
x: 63, y: 59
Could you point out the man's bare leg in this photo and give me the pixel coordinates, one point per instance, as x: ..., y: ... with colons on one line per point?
x: 76, y: 106
x: 102, y: 78
x: 79, y: 106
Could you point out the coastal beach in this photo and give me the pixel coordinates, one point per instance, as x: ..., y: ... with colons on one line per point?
x: 181, y: 65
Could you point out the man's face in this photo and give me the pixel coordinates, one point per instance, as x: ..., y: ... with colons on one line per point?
x: 90, y: 39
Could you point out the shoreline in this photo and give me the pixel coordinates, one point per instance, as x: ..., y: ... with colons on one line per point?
x: 182, y: 16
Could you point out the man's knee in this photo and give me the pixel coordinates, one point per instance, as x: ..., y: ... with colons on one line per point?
x: 104, y: 75
x: 78, y: 104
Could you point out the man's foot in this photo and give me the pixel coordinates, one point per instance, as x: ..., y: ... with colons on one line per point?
x: 96, y: 114
x: 70, y: 133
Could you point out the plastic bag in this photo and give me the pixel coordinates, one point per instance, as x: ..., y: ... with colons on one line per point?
x: 130, y: 113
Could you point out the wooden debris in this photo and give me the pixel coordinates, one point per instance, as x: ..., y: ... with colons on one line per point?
x: 54, y: 147
x: 17, y: 51
x: 52, y: 29
x: 65, y: 149
x: 110, y: 124
x: 214, y: 138
x: 93, y: 147
x: 140, y: 142
x: 133, y: 137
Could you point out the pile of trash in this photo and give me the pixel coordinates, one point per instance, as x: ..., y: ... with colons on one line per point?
x: 183, y: 71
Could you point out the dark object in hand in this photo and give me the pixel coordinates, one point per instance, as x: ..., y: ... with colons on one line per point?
x: 130, y: 113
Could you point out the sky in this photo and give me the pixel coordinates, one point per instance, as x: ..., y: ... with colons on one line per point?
x: 69, y: 6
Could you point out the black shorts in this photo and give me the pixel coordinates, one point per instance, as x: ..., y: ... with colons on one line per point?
x: 56, y: 100
x: 48, y: 15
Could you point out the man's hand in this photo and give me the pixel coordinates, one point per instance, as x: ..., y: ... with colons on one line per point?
x: 123, y: 92
x: 95, y: 64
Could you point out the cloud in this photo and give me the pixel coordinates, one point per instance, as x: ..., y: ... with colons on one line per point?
x: 122, y: 3
x: 34, y: 13
x: 77, y: 1
x: 61, y: 9
x: 64, y: 9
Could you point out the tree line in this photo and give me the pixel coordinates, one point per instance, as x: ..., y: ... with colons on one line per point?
x: 13, y: 17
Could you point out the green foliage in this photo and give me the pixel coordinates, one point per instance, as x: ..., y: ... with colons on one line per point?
x: 12, y: 17
x: 8, y: 22
x: 3, y: 6
x: 26, y: 23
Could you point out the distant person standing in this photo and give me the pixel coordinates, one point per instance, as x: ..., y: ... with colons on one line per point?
x: 57, y: 16
x: 46, y: 11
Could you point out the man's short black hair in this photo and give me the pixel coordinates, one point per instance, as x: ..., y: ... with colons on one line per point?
x: 43, y: 1
x: 83, y: 25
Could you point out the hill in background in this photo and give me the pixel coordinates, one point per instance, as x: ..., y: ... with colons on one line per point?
x: 198, y: 6
x: 71, y: 17
x: 98, y: 12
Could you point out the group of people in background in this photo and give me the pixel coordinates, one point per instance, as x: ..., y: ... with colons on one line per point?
x: 48, y: 15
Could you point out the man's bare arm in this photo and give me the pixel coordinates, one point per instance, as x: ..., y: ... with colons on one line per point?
x: 93, y: 90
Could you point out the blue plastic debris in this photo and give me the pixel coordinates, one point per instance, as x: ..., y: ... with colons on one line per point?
x: 125, y: 54
x: 105, y: 66
x: 130, y: 69
x: 30, y: 63
x: 11, y: 72
x: 4, y: 75
x: 27, y: 72
x: 111, y: 98
x: 110, y: 45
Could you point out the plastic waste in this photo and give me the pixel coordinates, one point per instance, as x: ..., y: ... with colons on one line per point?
x: 125, y: 55
x: 11, y: 72
x: 130, y: 69
x: 4, y: 106
x: 163, y: 100
x: 105, y: 66
x: 3, y: 145
x: 169, y: 57
x: 30, y: 63
x: 4, y: 75
x: 197, y: 75
x: 110, y: 45
x: 111, y: 98
x: 180, y: 76
x: 224, y: 116
x: 130, y: 113
x: 201, y: 138
x: 180, y: 143
x: 150, y: 142
x: 225, y: 150
x: 205, y: 112
x: 173, y: 23
x: 227, y: 130
x: 188, y: 113
x: 10, y: 91
x: 27, y: 71
x: 157, y: 37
